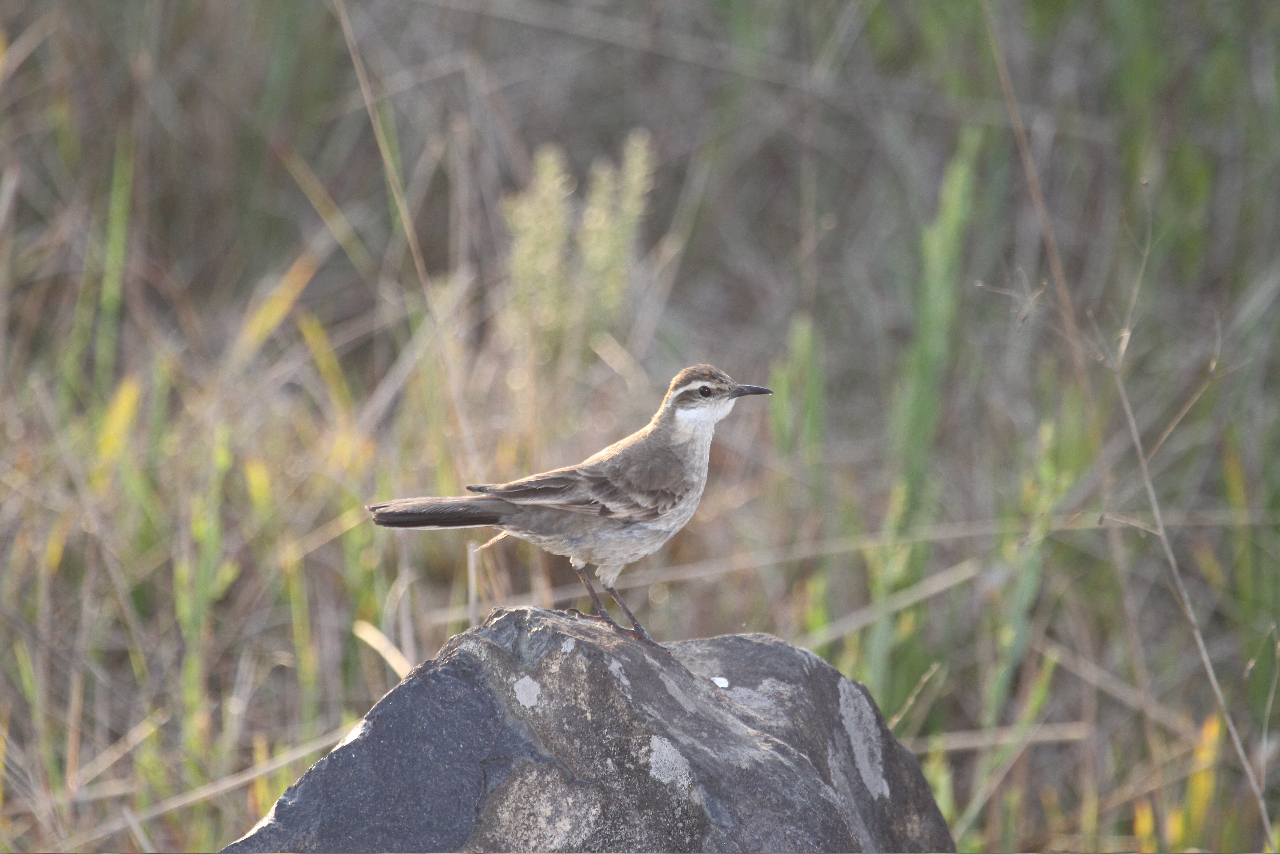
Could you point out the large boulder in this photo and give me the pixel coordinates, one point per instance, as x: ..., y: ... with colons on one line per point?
x: 539, y: 731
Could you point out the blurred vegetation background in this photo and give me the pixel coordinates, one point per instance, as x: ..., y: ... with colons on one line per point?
x: 263, y: 263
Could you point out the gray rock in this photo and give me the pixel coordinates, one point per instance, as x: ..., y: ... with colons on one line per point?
x: 543, y: 732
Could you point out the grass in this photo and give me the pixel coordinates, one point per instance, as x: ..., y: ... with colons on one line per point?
x: 263, y: 264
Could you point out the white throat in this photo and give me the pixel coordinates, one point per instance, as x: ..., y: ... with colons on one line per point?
x: 699, y: 424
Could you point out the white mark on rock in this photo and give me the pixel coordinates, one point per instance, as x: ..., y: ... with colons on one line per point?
x: 474, y: 647
x: 720, y: 681
x: 811, y: 659
x: 773, y: 698
x: 849, y: 802
x: 539, y: 811
x: 864, y: 735
x: 615, y: 667
x: 756, y: 701
x: 527, y: 692
x: 668, y: 765
x: 674, y: 689
x: 568, y: 645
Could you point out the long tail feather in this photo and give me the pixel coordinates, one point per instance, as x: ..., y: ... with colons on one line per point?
x: 466, y: 512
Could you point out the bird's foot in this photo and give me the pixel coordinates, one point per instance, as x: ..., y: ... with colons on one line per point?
x: 599, y: 617
x: 638, y: 632
x: 635, y: 633
x: 643, y: 637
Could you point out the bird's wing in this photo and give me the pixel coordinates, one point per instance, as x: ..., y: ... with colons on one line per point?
x: 603, y: 488
x: 562, y: 488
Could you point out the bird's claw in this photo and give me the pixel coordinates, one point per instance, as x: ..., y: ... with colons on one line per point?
x: 635, y: 633
x: 600, y: 618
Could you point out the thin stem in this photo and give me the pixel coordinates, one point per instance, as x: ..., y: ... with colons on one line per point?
x: 395, y: 181
x: 1185, y: 601
x: 1065, y: 305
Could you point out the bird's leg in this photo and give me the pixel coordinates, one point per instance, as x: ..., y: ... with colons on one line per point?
x: 601, y: 613
x: 637, y: 631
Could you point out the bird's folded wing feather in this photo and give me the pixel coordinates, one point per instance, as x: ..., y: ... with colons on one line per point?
x: 594, y: 490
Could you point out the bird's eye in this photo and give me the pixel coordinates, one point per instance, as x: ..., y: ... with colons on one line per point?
x: 705, y: 391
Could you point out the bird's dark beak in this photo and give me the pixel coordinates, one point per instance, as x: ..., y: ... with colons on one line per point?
x: 749, y: 389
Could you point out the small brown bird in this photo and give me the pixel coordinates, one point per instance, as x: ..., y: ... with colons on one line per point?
x: 614, y: 507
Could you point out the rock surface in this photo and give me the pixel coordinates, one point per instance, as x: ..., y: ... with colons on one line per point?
x: 543, y: 732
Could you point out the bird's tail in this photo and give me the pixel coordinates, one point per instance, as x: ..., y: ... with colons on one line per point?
x: 461, y: 512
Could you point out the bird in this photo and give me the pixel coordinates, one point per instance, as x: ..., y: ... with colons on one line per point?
x: 613, y: 508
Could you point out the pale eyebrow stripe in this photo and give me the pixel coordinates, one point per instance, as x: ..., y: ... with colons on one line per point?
x: 691, y: 386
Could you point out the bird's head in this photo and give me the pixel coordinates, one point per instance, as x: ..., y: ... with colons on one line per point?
x: 700, y: 396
